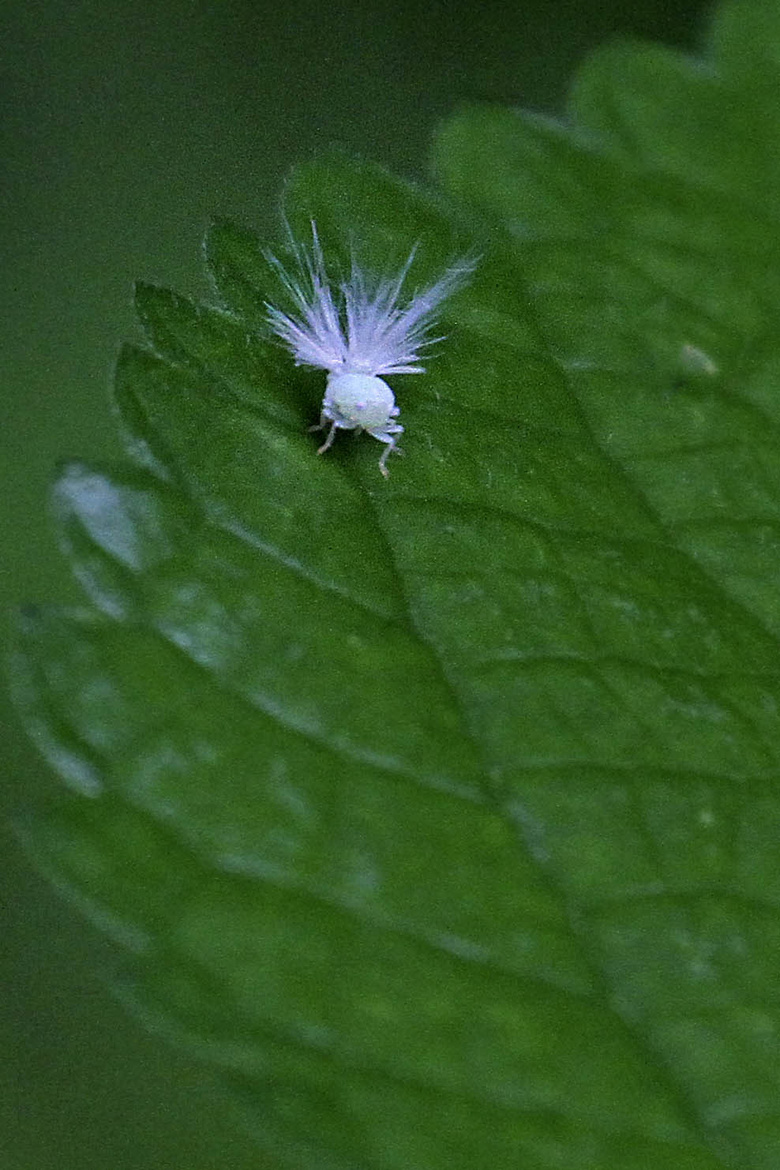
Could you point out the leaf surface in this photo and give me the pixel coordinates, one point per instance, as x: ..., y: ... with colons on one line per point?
x: 442, y: 813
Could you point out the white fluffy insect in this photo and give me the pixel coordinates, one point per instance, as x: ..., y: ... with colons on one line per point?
x: 364, y: 330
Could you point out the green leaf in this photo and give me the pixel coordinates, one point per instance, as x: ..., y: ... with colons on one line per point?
x: 442, y: 813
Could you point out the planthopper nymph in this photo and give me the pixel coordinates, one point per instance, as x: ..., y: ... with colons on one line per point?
x: 359, y: 331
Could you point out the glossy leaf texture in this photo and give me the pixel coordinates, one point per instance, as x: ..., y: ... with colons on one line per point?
x: 442, y: 813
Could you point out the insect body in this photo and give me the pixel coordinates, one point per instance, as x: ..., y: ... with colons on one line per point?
x: 360, y: 402
x: 365, y: 330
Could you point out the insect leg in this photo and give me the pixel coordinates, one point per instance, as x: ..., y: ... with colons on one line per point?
x: 329, y: 441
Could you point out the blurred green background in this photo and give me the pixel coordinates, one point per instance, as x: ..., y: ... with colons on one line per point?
x: 124, y: 127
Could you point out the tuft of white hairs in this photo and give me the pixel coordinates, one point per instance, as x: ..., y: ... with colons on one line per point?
x: 359, y: 331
